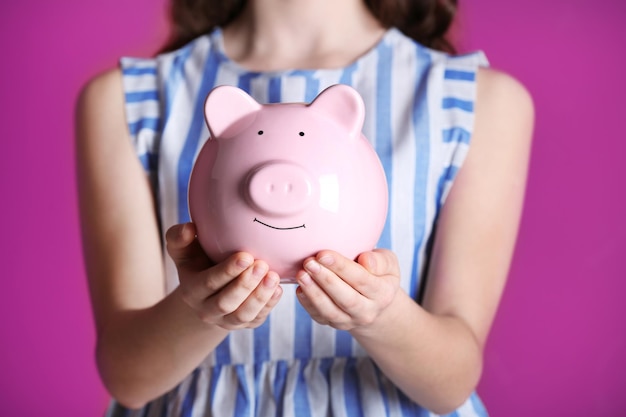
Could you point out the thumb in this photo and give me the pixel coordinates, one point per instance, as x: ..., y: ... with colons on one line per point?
x: 379, y: 262
x: 182, y: 245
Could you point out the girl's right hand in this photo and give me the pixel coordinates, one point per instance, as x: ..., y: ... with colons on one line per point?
x: 236, y: 293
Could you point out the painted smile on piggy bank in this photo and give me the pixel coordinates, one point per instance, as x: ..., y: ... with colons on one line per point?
x: 279, y: 228
x: 304, y: 174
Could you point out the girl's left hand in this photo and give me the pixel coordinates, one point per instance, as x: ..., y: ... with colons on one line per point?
x: 345, y: 294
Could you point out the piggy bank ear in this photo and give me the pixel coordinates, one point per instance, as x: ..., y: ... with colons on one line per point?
x: 344, y: 105
x: 228, y: 111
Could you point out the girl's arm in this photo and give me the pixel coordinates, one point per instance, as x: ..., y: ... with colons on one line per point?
x: 434, y: 352
x: 148, y: 342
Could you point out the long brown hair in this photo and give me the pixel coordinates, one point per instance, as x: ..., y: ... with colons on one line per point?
x: 426, y: 21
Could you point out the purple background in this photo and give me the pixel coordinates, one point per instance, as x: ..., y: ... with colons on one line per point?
x: 558, y: 346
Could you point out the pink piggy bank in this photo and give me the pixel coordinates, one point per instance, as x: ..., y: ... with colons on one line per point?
x: 284, y: 181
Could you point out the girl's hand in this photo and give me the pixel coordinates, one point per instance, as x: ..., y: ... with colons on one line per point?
x: 239, y: 292
x: 345, y: 294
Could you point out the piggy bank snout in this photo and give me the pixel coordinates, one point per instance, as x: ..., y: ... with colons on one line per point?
x: 280, y: 188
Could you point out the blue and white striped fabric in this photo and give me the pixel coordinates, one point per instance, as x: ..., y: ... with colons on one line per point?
x: 419, y: 118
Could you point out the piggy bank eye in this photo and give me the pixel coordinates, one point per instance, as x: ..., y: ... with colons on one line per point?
x: 301, y: 133
x: 260, y: 132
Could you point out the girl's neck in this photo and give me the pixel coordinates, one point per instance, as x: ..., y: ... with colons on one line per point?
x: 288, y: 34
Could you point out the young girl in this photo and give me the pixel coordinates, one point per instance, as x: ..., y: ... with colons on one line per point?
x: 399, y: 331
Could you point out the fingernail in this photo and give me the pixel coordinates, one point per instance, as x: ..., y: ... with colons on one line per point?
x: 277, y: 293
x: 313, y: 266
x: 190, y: 227
x: 243, y: 263
x: 270, y: 281
x: 326, y: 260
x: 259, y: 270
x: 304, y: 279
x: 300, y: 293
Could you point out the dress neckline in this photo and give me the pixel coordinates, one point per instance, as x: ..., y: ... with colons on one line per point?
x: 217, y: 39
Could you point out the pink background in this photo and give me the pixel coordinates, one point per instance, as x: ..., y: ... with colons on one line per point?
x: 558, y: 346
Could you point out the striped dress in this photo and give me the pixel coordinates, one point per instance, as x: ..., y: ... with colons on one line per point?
x: 419, y: 118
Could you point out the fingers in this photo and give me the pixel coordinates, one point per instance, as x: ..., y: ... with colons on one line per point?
x: 345, y: 294
x: 333, y: 271
x: 231, y: 294
x: 320, y: 305
x: 255, y: 309
x: 267, y: 308
x: 319, y: 272
x: 247, y: 300
x: 200, y: 284
x: 232, y: 267
x: 237, y: 292
x: 329, y: 289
